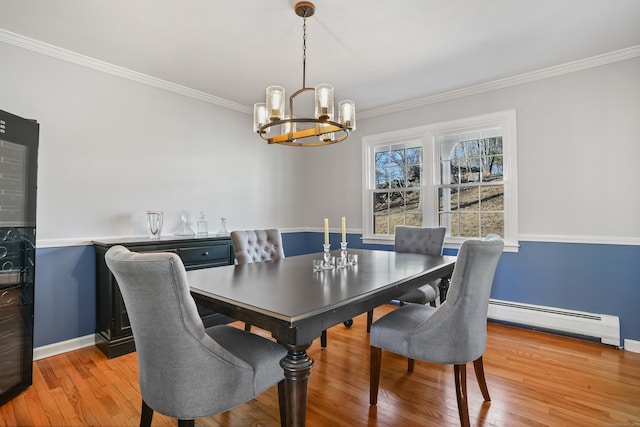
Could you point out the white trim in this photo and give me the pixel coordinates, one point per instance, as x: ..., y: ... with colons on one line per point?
x: 105, y: 67
x: 591, y: 240
x: 63, y: 347
x: 506, y: 120
x: 632, y: 345
x: 545, y: 73
x: 553, y: 71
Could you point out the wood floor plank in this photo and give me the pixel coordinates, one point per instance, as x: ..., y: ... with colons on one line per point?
x: 534, y: 378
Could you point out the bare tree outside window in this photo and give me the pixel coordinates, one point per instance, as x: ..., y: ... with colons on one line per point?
x: 397, y: 197
x: 471, y: 194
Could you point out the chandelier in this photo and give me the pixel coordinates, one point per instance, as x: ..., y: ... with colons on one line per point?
x: 322, y: 128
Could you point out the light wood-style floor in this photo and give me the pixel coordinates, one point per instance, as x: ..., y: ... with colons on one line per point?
x: 535, y: 379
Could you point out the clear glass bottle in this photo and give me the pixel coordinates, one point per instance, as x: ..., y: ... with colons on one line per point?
x: 203, y: 226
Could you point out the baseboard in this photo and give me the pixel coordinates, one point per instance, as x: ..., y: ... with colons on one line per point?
x: 63, y: 347
x: 604, y: 327
x: 632, y: 345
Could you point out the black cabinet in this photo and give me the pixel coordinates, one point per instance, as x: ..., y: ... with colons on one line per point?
x: 113, y: 331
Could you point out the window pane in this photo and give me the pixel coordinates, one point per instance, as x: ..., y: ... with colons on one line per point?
x: 396, y: 176
x: 395, y: 219
x: 414, y: 155
x: 492, y: 198
x: 414, y: 219
x: 413, y: 204
x: 414, y: 176
x: 469, y: 225
x: 448, y: 199
x: 469, y: 199
x: 380, y: 224
x: 380, y: 202
x: 492, y: 168
x: 492, y: 223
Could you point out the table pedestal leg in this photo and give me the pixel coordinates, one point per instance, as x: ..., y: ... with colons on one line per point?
x: 297, y: 367
x: 443, y: 287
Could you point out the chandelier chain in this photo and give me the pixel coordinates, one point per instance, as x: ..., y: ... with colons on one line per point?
x: 304, y: 51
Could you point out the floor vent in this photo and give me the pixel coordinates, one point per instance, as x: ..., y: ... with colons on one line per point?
x: 602, y: 326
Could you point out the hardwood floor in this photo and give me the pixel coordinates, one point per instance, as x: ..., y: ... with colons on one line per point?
x: 535, y: 379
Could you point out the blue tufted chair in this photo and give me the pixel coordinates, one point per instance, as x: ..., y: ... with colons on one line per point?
x: 455, y: 333
x: 185, y: 370
x: 257, y: 246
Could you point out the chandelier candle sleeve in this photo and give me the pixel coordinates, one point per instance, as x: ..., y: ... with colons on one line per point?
x: 344, y: 231
x: 260, y: 117
x: 326, y: 231
x: 346, y: 114
x: 324, y: 102
x: 275, y: 102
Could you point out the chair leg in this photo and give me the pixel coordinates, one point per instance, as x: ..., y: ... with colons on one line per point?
x: 145, y: 415
x: 374, y: 374
x: 247, y: 327
x: 369, y: 320
x: 282, y: 402
x: 323, y: 339
x: 410, y: 364
x: 479, y: 369
x: 460, y: 374
x: 186, y: 423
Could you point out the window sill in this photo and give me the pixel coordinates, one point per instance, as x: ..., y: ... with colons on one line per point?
x: 448, y: 244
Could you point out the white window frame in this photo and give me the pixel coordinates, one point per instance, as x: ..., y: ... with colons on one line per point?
x: 429, y: 135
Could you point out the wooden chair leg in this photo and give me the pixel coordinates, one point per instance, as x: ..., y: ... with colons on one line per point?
x: 369, y: 320
x: 323, y: 339
x: 374, y: 374
x: 146, y: 415
x: 479, y: 369
x: 410, y: 364
x: 282, y: 402
x: 460, y: 374
x: 186, y: 423
x: 247, y: 327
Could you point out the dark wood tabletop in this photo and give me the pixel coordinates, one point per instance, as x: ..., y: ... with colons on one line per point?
x: 296, y: 304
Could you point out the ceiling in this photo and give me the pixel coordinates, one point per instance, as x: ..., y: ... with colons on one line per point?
x: 378, y: 53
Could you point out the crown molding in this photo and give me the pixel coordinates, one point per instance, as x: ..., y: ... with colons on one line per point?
x: 545, y: 73
x: 85, y: 61
x: 557, y: 70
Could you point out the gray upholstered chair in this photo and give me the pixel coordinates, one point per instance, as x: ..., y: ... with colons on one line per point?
x: 257, y: 246
x: 454, y: 333
x: 417, y: 240
x: 185, y: 370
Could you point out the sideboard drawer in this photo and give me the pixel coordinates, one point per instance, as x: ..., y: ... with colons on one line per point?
x: 205, y: 255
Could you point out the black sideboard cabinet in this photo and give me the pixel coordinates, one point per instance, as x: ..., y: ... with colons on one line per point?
x: 113, y: 331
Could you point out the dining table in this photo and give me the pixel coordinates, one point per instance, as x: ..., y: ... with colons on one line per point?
x: 295, y: 303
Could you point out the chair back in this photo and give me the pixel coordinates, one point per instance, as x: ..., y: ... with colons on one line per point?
x: 184, y: 373
x: 419, y: 240
x: 457, y: 332
x: 257, y: 245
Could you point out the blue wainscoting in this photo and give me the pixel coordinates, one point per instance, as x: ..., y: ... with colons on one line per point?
x: 595, y: 278
x: 65, y: 294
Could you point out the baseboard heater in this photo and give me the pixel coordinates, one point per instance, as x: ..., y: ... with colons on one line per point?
x: 601, y: 326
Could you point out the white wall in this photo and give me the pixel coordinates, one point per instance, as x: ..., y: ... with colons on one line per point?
x: 578, y: 154
x: 112, y: 148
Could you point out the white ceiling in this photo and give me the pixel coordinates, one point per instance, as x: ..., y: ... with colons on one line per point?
x: 377, y: 53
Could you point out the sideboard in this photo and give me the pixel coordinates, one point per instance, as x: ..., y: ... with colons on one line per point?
x: 113, y: 331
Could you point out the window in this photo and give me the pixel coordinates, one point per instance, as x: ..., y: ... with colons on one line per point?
x: 470, y: 187
x: 458, y: 174
x: 397, y: 196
